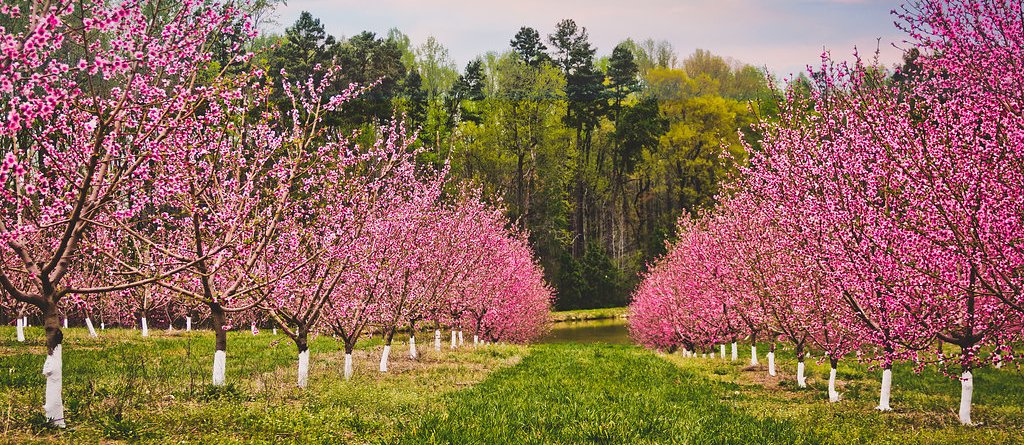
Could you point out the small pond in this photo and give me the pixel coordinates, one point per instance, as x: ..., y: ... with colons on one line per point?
x: 612, y: 331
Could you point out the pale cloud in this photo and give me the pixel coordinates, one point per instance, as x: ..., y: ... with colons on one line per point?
x: 783, y: 35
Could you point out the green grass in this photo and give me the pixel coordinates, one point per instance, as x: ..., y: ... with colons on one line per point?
x: 925, y: 405
x: 598, y: 394
x: 123, y: 388
x: 589, y: 314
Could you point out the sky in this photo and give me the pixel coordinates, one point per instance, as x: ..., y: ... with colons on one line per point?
x: 782, y: 35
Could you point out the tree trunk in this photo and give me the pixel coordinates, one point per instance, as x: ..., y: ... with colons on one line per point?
x: 833, y: 395
x: 883, y: 398
x: 303, y: 345
x: 387, y: 350
x: 735, y: 351
x: 53, y: 367
x: 966, y: 393
x: 771, y: 360
x: 801, y: 381
x: 437, y: 340
x: 349, y: 346
x: 219, y: 319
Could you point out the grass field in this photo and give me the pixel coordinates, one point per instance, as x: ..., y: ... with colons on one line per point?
x: 589, y: 314
x: 123, y: 389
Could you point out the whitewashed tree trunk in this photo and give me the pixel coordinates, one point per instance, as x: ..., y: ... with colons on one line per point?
x: 220, y: 360
x: 771, y: 364
x: 437, y: 340
x: 721, y: 348
x: 253, y: 329
x: 348, y: 366
x: 966, y: 393
x: 753, y: 355
x: 24, y: 321
x: 883, y: 398
x: 462, y: 340
x: 833, y: 395
x: 92, y: 329
x: 145, y: 327
x: 413, y: 354
x: 188, y: 324
x: 275, y: 331
x: 384, y: 358
x: 735, y: 352
x: 455, y: 340
x: 801, y: 380
x: 303, y: 368
x: 103, y: 326
x: 21, y: 329
x: 476, y: 341
x: 65, y: 323
x: 53, y: 369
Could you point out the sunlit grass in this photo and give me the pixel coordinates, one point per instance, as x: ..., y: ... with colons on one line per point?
x: 122, y: 387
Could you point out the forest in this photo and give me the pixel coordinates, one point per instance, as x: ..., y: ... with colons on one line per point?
x: 595, y: 154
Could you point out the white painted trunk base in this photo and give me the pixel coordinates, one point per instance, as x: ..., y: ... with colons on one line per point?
x: 384, y: 358
x: 476, y: 341
x: 966, y: 393
x: 721, y: 348
x: 188, y: 324
x: 437, y: 340
x: 254, y: 330
x: 462, y: 340
x: 833, y: 395
x: 753, y: 355
x: 801, y: 380
x: 65, y: 323
x: 53, y: 369
x: 275, y: 331
x: 413, y: 354
x: 771, y: 364
x: 21, y: 329
x: 883, y: 398
x: 735, y: 352
x: 24, y: 322
x: 103, y: 326
x: 92, y: 329
x: 455, y: 340
x: 303, y: 368
x: 220, y: 359
x: 145, y: 327
x: 348, y: 366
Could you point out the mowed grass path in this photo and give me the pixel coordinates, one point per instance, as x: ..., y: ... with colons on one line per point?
x: 610, y: 394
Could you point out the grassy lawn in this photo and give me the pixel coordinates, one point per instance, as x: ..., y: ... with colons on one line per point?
x: 123, y: 388
x: 924, y: 404
x: 589, y: 314
x: 598, y: 394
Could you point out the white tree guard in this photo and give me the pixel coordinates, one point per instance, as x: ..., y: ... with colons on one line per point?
x: 303, y: 368
x: 966, y: 393
x: 21, y: 329
x: 188, y: 324
x: 220, y: 362
x: 437, y: 340
x: 771, y: 364
x: 883, y: 398
x: 413, y: 353
x: 53, y: 369
x: 753, y: 355
x: 801, y: 380
x: 735, y: 352
x: 833, y: 395
x: 384, y: 358
x: 92, y: 329
x: 348, y: 366
x: 145, y: 327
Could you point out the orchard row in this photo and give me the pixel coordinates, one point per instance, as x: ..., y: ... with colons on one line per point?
x: 147, y: 174
x: 879, y: 220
